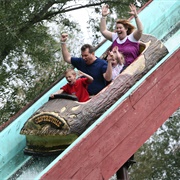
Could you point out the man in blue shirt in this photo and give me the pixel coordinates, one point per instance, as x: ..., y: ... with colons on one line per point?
x: 99, y: 69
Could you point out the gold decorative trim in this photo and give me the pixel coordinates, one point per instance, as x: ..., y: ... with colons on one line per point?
x: 49, y: 117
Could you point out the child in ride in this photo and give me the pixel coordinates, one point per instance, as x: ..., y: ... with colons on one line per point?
x: 77, y: 87
x: 117, y: 61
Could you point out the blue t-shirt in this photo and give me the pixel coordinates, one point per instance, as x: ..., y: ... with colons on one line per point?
x: 96, y: 70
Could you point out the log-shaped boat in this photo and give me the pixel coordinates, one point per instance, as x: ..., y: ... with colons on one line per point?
x: 61, y: 120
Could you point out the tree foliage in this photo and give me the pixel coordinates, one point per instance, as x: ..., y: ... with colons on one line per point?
x: 29, y: 49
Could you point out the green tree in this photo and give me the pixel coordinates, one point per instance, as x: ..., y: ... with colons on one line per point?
x: 159, y: 157
x: 30, y: 55
x: 29, y: 52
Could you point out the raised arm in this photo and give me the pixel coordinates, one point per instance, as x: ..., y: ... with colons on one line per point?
x: 107, y: 34
x: 65, y: 52
x: 138, y: 32
x: 119, y: 55
x: 108, y: 74
x: 90, y: 78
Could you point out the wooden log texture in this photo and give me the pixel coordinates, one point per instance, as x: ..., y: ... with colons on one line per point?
x: 76, y: 116
x: 107, y: 146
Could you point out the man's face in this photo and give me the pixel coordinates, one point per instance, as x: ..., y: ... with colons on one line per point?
x: 87, y: 56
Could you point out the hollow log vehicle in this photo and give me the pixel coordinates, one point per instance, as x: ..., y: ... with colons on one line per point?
x: 60, y: 121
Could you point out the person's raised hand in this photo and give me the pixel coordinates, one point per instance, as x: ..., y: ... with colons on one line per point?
x: 110, y: 56
x: 80, y: 73
x: 133, y: 10
x: 64, y: 37
x: 115, y: 49
x: 105, y: 10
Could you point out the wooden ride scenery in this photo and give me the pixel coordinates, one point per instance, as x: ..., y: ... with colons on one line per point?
x: 60, y: 121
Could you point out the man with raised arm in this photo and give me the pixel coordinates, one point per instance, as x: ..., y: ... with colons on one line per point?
x: 99, y: 69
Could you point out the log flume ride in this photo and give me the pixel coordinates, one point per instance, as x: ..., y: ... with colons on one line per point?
x: 60, y: 121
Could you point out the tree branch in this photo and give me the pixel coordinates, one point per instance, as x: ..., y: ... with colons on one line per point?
x: 44, y: 16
